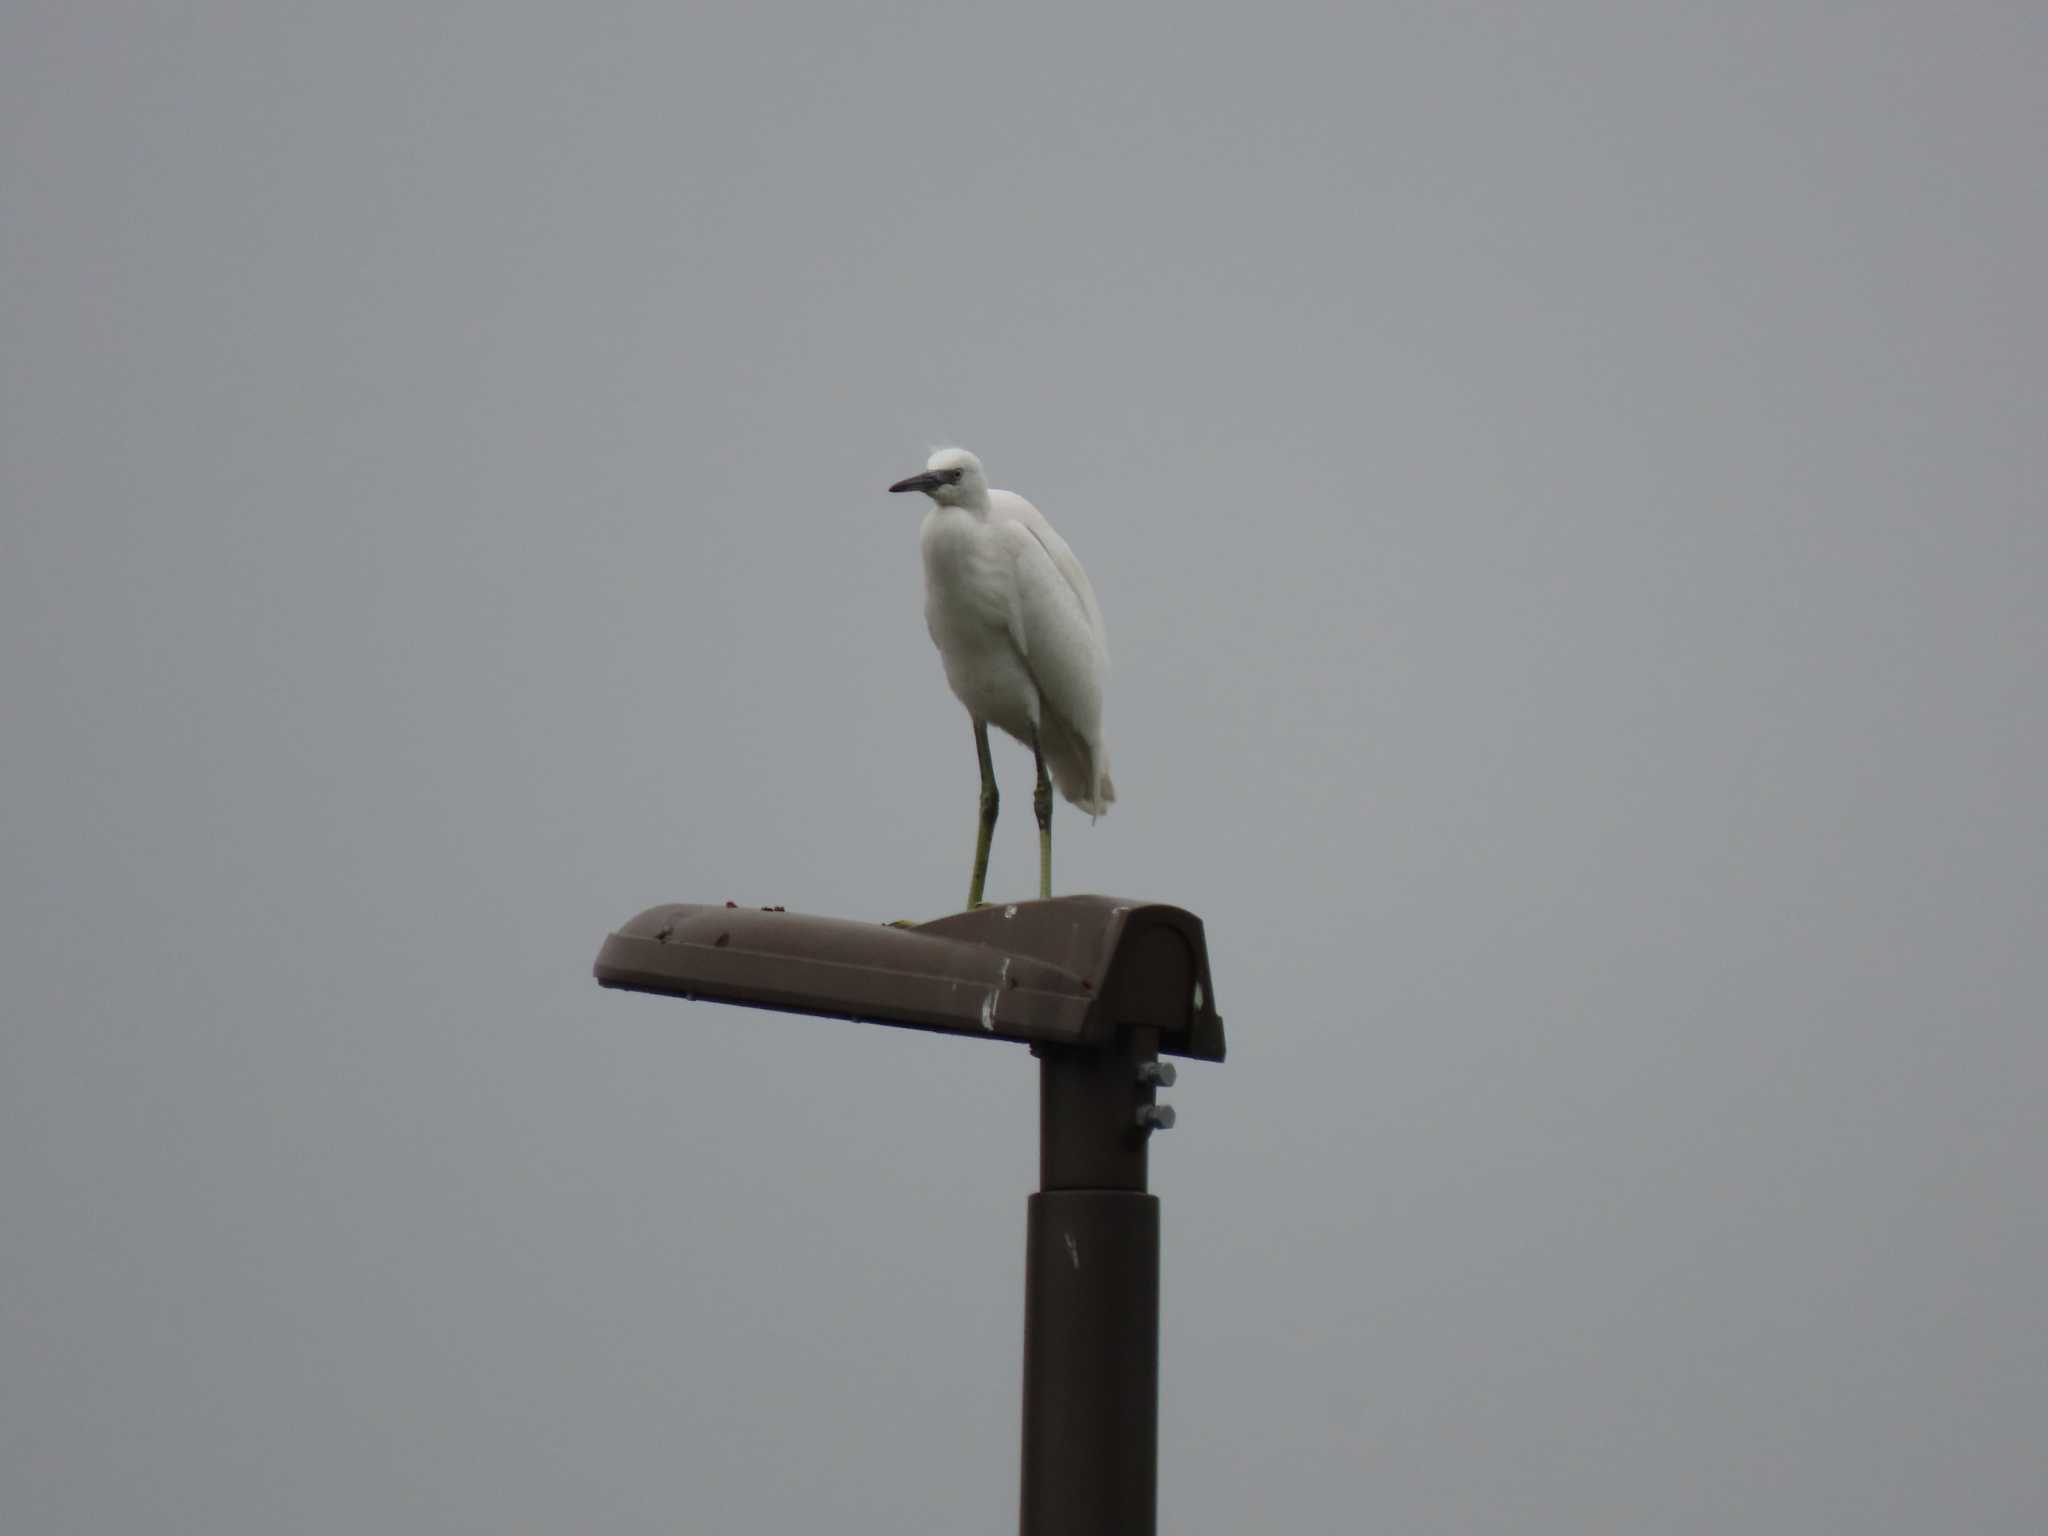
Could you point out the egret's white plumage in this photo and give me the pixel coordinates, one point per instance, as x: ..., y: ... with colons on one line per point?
x: 1019, y: 632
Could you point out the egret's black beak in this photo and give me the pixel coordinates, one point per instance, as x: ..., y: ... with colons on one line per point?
x: 924, y: 482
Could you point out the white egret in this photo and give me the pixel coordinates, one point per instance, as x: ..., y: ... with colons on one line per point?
x: 1021, y: 636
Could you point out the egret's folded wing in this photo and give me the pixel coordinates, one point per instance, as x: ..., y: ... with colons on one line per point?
x: 1008, y: 507
x: 1062, y: 640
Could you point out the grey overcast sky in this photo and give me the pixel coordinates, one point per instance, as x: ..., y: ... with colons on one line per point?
x: 1566, y: 487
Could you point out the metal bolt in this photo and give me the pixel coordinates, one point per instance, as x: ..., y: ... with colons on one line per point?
x: 1161, y: 1074
x: 1155, y: 1117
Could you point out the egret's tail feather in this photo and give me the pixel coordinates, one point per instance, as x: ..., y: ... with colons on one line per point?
x: 1105, y: 793
x: 1082, y: 774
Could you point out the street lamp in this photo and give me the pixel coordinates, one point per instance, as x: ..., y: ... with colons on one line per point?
x: 1099, y: 989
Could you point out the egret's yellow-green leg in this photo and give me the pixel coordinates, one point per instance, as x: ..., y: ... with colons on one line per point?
x: 989, y: 801
x: 1041, y: 802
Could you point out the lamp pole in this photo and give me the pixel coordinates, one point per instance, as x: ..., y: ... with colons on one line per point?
x: 1091, y: 1296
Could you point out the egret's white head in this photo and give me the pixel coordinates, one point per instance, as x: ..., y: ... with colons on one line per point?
x: 952, y: 477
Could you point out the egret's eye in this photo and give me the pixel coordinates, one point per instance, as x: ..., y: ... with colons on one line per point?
x: 952, y: 477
